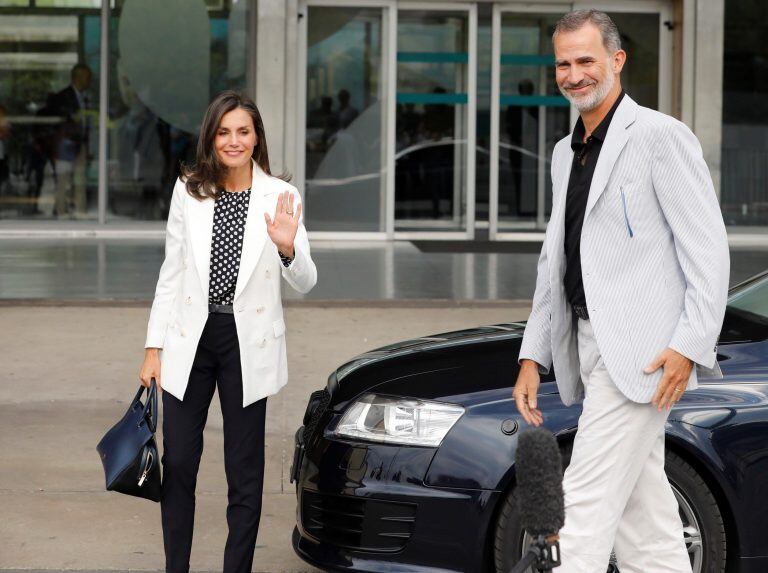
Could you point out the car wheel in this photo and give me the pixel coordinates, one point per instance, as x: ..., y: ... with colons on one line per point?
x: 703, y: 525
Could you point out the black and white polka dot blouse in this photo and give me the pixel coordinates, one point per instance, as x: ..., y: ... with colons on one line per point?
x: 229, y: 215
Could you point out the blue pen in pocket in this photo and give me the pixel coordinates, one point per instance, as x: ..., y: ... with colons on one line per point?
x: 626, y: 217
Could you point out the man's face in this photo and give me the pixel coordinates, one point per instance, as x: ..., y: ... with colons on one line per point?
x: 82, y: 80
x: 584, y: 70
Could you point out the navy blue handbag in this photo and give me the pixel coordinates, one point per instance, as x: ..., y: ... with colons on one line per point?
x: 128, y: 450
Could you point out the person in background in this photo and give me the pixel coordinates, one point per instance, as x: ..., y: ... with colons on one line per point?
x: 71, y: 146
x: 522, y: 130
x: 5, y: 135
x: 347, y: 112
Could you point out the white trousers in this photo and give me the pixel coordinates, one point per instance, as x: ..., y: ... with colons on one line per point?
x: 617, y: 495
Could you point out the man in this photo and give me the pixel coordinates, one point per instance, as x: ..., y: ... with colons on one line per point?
x: 5, y: 136
x: 347, y: 112
x: 71, y: 147
x: 522, y: 131
x: 630, y: 296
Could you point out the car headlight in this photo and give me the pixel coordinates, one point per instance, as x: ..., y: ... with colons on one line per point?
x: 398, y: 420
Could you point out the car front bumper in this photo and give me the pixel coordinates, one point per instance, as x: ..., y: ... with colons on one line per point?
x: 364, y: 507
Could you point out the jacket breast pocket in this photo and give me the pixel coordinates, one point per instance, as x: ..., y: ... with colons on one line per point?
x: 625, y: 209
x: 620, y: 198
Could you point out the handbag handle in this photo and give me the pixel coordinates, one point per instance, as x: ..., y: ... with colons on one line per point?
x: 150, y: 406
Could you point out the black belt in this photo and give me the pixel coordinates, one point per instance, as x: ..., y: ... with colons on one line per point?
x: 221, y: 308
x: 581, y: 311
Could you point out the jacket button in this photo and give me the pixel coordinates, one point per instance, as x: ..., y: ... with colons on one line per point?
x: 266, y: 274
x: 260, y: 309
x: 189, y: 300
x: 263, y: 342
x: 183, y: 332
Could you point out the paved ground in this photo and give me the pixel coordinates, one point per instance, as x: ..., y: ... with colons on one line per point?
x: 67, y: 374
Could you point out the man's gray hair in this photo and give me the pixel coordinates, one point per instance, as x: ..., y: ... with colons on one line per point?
x: 573, y: 21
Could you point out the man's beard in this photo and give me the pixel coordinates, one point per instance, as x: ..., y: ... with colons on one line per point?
x: 593, y: 99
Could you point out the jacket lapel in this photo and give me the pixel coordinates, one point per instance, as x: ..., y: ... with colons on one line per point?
x: 255, y: 235
x: 555, y: 247
x: 201, y: 230
x: 615, y: 140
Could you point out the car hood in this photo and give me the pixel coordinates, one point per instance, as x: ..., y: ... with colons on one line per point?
x: 474, y: 348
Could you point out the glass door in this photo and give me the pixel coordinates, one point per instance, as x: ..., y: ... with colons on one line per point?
x: 344, y: 116
x: 528, y: 113
x: 528, y: 116
x: 434, y: 148
x: 387, y: 104
x: 647, y: 38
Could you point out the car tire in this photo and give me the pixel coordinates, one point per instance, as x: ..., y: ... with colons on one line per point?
x: 701, y: 505
x: 687, y: 483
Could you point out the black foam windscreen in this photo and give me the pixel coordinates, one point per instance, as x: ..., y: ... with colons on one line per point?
x: 538, y: 467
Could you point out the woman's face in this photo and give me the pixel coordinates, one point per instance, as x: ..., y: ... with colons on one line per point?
x: 235, y: 138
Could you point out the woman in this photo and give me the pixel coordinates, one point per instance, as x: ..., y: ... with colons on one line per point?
x: 217, y: 320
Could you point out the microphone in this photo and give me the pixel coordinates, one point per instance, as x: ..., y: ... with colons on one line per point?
x: 539, y: 471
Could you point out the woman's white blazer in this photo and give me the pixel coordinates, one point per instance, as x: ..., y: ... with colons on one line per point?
x: 180, y: 307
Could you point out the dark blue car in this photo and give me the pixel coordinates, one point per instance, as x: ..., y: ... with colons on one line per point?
x: 405, y: 461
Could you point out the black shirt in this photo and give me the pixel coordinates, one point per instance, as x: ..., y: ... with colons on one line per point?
x: 229, y: 215
x: 585, y: 156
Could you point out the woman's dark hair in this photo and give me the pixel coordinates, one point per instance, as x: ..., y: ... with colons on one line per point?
x: 205, y: 179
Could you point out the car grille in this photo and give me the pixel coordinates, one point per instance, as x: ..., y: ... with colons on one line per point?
x: 318, y: 404
x: 363, y: 524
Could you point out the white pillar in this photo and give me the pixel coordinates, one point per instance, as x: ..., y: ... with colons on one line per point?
x: 103, y: 115
x: 702, y: 89
x: 271, y: 76
x: 290, y: 91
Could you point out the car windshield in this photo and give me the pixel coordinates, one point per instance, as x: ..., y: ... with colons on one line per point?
x: 746, y: 317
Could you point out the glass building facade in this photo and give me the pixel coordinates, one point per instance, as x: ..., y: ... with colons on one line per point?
x: 744, y: 184
x: 406, y: 120
x: 164, y: 62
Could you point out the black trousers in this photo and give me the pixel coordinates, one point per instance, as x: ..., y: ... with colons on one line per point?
x: 217, y: 362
